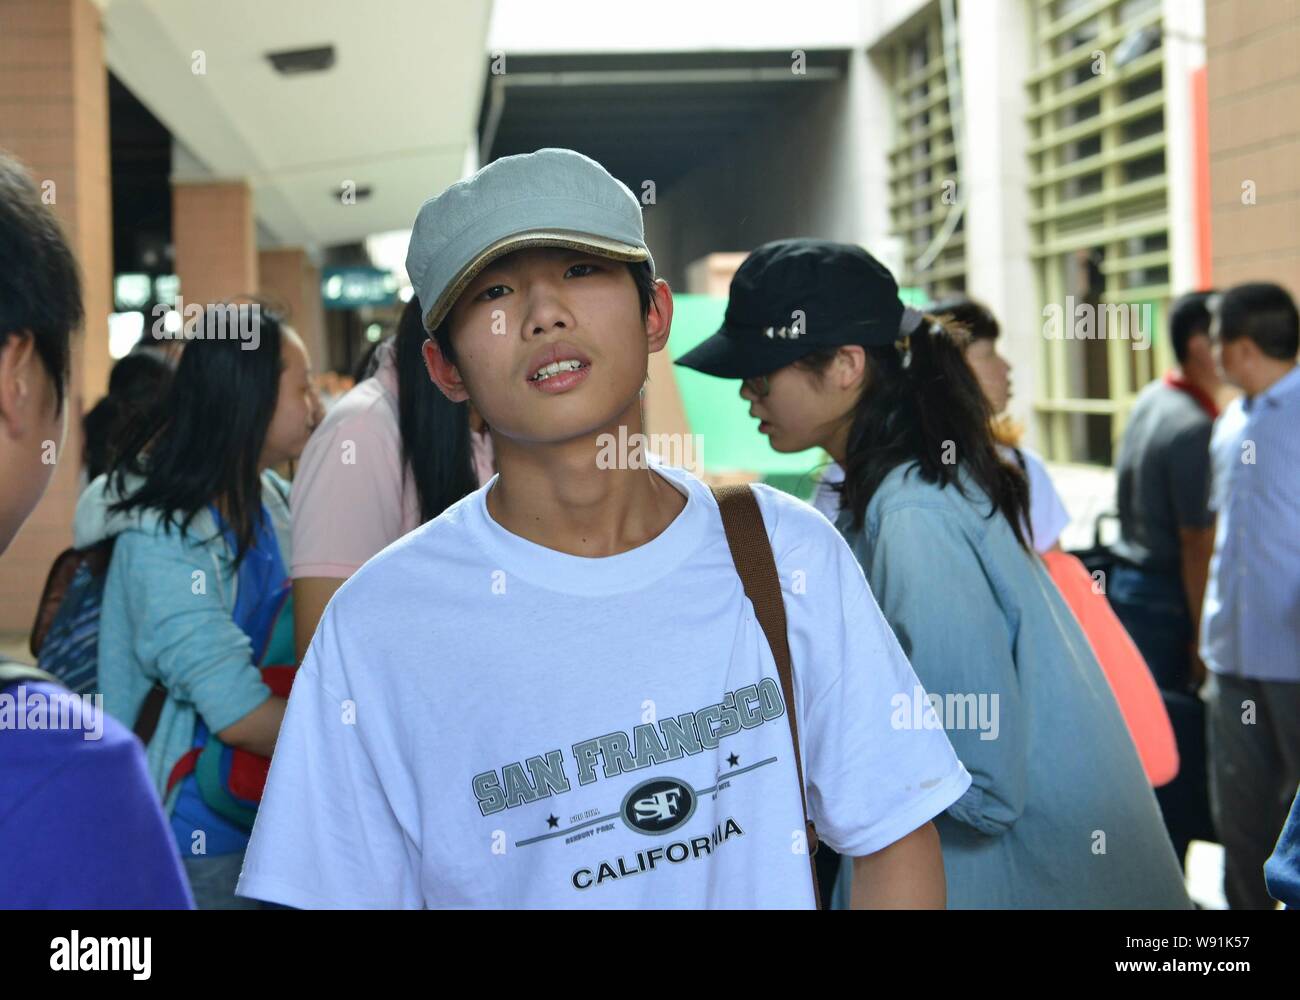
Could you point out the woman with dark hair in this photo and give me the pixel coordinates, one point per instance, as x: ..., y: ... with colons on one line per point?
x: 134, y: 387
x: 193, y: 601
x: 1047, y: 514
x: 1059, y: 813
x: 392, y: 453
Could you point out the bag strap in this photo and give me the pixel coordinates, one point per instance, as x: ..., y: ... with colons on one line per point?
x: 751, y: 551
x: 147, y: 721
x: 18, y: 673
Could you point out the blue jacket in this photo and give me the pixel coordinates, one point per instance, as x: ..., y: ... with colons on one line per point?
x: 167, y: 616
x: 1282, y: 869
x: 1059, y: 812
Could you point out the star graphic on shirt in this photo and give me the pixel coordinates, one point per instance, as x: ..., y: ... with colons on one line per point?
x: 733, y: 760
x: 552, y: 821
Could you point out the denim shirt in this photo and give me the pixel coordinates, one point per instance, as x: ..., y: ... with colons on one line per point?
x: 167, y: 615
x: 1059, y: 812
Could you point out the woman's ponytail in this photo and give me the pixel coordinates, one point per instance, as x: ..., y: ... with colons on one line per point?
x: 922, y: 404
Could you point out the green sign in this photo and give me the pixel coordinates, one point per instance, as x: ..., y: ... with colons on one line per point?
x: 351, y: 287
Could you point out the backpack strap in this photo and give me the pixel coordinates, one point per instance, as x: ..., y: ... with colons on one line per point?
x: 751, y: 551
x: 17, y: 673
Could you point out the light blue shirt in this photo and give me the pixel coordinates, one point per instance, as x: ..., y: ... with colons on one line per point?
x: 1059, y: 812
x: 167, y: 616
x: 1250, y: 624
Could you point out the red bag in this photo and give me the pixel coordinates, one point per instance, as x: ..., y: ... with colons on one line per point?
x: 248, y: 770
x: 1126, y: 671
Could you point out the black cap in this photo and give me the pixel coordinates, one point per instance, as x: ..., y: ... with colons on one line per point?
x: 792, y: 297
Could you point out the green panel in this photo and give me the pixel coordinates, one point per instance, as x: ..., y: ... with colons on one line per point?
x: 715, y: 410
x: 713, y: 406
x: 914, y: 297
x: 799, y: 484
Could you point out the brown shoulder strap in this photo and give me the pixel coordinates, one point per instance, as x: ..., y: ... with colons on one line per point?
x: 752, y: 553
x: 147, y: 721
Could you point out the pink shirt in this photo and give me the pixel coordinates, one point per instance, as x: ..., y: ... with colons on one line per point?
x: 352, y: 495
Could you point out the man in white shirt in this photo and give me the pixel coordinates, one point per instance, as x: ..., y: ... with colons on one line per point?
x: 556, y: 694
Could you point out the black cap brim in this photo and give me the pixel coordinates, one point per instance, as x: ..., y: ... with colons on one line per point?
x: 726, y: 356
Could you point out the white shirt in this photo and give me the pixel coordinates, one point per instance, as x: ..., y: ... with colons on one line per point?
x: 1047, y: 514
x: 485, y: 722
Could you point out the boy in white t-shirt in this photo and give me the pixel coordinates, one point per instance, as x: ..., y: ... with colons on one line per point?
x: 556, y: 694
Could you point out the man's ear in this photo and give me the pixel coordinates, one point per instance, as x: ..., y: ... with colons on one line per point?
x: 659, y: 319
x: 443, y: 373
x: 1200, y: 353
x: 17, y: 355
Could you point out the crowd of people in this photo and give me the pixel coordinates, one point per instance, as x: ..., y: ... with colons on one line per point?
x: 410, y: 651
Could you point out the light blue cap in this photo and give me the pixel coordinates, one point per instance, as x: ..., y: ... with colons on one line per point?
x: 550, y: 198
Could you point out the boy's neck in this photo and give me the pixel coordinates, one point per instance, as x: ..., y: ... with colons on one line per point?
x: 558, y: 496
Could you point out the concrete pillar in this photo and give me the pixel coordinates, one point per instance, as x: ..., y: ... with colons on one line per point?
x: 290, y: 280
x: 215, y: 239
x: 54, y: 118
x: 995, y: 175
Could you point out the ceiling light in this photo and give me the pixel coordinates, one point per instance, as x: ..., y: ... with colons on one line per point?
x: 292, y: 61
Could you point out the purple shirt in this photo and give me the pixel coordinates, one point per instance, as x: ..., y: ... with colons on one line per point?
x: 80, y: 825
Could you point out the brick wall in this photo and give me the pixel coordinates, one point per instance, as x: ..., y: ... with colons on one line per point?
x: 289, y: 279
x: 54, y: 117
x: 216, y: 241
x: 1253, y: 86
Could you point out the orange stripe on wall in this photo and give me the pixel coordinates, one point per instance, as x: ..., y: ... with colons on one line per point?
x: 1201, y: 179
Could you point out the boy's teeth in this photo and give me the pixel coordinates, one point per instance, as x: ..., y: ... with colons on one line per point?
x: 546, y: 371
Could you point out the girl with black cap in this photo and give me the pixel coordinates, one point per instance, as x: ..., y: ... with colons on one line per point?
x: 1059, y: 813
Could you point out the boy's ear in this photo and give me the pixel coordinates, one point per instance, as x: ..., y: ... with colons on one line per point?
x: 443, y: 373
x: 17, y: 356
x: 659, y: 319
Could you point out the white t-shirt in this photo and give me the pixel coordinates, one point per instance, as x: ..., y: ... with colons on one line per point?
x: 1047, y: 514
x: 485, y: 722
x: 825, y: 499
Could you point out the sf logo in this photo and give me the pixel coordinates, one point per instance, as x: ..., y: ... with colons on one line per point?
x: 662, y: 806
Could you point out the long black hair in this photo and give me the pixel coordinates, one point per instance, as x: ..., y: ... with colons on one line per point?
x: 435, y: 431
x: 921, y: 403
x: 134, y: 388
x: 202, y: 443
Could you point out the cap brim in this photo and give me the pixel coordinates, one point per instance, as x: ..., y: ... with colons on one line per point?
x: 604, y: 247
x: 727, y: 356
